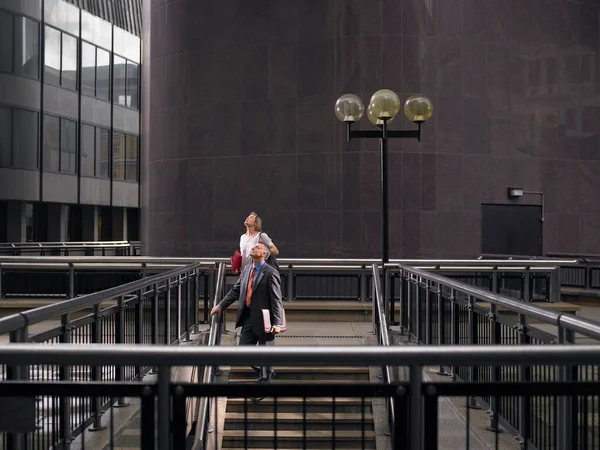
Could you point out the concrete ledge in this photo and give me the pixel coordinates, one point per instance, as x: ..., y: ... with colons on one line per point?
x: 556, y: 306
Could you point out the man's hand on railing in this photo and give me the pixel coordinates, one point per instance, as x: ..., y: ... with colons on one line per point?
x: 216, y: 310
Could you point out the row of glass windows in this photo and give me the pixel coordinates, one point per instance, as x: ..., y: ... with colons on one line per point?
x: 61, y: 69
x: 19, y: 138
x: 19, y: 146
x: 20, y: 55
x: 19, y: 45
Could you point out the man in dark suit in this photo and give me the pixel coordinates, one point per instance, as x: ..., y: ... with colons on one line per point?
x: 257, y: 288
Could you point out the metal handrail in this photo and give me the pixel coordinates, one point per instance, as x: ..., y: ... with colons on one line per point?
x: 588, y: 327
x: 30, y: 317
x: 295, y: 262
x: 67, y: 244
x: 125, y: 354
x: 378, y: 311
x: 203, y: 413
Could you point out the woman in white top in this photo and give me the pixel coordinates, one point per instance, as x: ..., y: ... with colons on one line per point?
x: 253, y: 236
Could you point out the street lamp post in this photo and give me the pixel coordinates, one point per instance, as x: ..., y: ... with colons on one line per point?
x: 383, y: 108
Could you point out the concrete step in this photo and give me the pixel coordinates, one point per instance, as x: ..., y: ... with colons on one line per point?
x: 295, y: 439
x: 324, y: 374
x: 321, y: 311
x: 296, y: 421
x: 314, y: 405
x: 337, y: 380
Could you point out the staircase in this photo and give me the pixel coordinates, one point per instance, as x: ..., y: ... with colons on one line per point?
x: 352, y: 424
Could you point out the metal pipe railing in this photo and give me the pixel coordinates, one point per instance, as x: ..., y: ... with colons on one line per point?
x: 475, y: 355
x: 214, y: 338
x: 588, y: 327
x: 33, y: 316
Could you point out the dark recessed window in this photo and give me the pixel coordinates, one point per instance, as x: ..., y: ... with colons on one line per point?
x: 68, y: 146
x: 25, y: 139
x: 131, y: 162
x: 51, y: 143
x: 102, y: 152
x: 6, y: 42
x: 88, y: 142
x: 5, y: 136
x: 118, y: 156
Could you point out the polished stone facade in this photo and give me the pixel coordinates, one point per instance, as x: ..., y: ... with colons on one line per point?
x: 239, y: 117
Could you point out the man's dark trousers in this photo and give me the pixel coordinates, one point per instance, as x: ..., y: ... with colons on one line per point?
x: 247, y: 337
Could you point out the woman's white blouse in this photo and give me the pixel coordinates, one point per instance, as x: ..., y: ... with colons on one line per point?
x: 247, y: 242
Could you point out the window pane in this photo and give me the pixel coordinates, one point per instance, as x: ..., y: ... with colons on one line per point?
x: 27, y: 52
x: 119, y: 82
x: 88, y: 141
x: 102, y: 152
x: 68, y: 146
x: 88, y: 69
x: 103, y: 75
x: 118, y: 156
x: 51, y: 143
x: 29, y: 222
x: 5, y: 136
x: 52, y: 56
x: 26, y: 143
x: 132, y: 84
x: 6, y: 42
x: 131, y: 162
x: 69, y: 62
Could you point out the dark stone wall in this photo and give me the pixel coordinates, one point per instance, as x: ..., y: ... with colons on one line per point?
x: 240, y: 117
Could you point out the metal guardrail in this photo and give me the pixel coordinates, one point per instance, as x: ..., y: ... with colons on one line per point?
x: 302, y: 279
x: 435, y: 310
x: 89, y: 248
x: 415, y: 401
x: 161, y: 309
x: 214, y: 338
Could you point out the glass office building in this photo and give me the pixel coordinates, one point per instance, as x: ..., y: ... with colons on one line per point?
x: 69, y: 120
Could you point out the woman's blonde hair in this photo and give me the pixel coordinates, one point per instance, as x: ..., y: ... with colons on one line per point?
x: 257, y: 221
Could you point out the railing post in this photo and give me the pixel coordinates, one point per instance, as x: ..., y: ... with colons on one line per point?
x: 65, y: 429
x: 154, y: 314
x: 97, y: 370
x: 473, y: 340
x: 120, y: 339
x: 409, y: 306
x: 401, y: 299
x: 71, y: 281
x: 554, y: 281
x: 524, y: 377
x: 168, y: 313
x: 139, y: 327
x: 441, y: 323
x: 362, y: 279
x: 565, y: 407
x: 428, y: 313
x: 196, y: 299
x: 178, y: 314
x: 527, y: 286
x: 164, y: 407
x: 374, y: 311
x: 416, y: 410
x: 386, y: 293
x: 1, y: 289
x: 290, y: 284
x: 186, y: 308
x: 401, y: 419
x: 17, y: 441
x: 455, y: 320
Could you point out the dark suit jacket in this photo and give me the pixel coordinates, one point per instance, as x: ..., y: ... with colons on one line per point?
x: 266, y: 294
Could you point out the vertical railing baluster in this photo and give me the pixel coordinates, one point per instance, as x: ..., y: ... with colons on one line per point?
x: 167, y: 324
x: 139, y: 327
x: 428, y: 313
x: 430, y: 421
x: 97, y: 370
x: 566, y: 407
x: 120, y: 323
x: 65, y: 375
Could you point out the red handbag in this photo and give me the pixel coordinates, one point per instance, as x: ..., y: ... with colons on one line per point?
x: 236, y: 261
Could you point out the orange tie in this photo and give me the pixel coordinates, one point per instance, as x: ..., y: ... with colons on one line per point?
x: 249, y: 295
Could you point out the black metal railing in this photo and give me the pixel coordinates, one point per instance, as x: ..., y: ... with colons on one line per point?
x: 158, y: 310
x: 435, y: 310
x: 88, y: 248
x: 302, y: 279
x: 419, y: 423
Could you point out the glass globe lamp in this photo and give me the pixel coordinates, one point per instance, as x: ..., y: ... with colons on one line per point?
x: 349, y: 108
x: 384, y: 104
x: 418, y: 108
